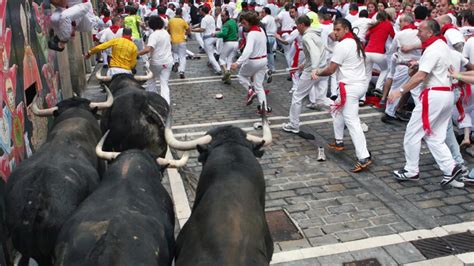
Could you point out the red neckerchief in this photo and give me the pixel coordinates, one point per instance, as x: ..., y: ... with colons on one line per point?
x: 359, y: 4
x: 348, y: 35
x: 371, y: 15
x: 106, y: 19
x: 447, y: 27
x: 254, y: 28
x: 327, y: 22
x: 153, y: 8
x: 128, y: 38
x: 353, y: 12
x: 430, y: 41
x: 114, y: 28
x: 409, y: 26
x: 418, y: 20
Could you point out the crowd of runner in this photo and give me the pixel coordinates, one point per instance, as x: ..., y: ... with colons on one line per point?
x: 338, y: 54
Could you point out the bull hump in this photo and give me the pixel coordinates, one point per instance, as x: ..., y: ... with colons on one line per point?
x: 98, y: 229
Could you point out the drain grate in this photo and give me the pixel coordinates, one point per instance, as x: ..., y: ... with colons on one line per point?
x: 461, y: 243
x: 281, y: 226
x: 447, y: 245
x: 367, y: 262
x: 433, y: 247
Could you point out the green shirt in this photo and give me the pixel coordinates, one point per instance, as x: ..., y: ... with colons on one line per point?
x: 229, y: 31
x: 132, y: 22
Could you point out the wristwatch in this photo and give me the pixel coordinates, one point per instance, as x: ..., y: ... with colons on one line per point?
x: 402, y: 90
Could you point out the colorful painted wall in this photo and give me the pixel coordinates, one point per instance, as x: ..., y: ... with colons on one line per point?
x: 28, y: 68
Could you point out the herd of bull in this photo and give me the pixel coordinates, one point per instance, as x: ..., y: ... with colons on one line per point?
x: 64, y: 206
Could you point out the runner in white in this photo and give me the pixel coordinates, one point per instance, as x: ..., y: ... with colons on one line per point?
x: 253, y: 60
x: 348, y: 62
x: 315, y: 58
x: 430, y: 118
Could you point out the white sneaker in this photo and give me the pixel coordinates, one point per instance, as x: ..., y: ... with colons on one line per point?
x: 321, y: 155
x: 291, y: 91
x: 456, y: 184
x: 364, y: 126
x: 287, y: 127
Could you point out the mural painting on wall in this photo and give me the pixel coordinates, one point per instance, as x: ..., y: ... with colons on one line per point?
x: 20, y: 71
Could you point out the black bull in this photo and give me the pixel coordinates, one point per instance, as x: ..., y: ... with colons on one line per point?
x: 128, y: 220
x: 227, y: 225
x: 45, y: 189
x: 136, y: 119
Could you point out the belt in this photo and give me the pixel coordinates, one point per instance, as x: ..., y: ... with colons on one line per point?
x: 342, y: 92
x: 258, y: 57
x: 425, y: 106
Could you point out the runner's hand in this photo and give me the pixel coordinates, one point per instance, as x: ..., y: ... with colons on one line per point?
x: 314, y: 74
x: 394, y: 95
x: 234, y: 66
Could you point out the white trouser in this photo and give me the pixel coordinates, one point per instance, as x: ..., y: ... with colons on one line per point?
x: 318, y: 93
x: 210, y: 50
x: 161, y: 72
x: 349, y: 116
x: 198, y: 37
x: 440, y: 110
x: 381, y: 61
x: 400, y: 77
x: 179, y: 55
x: 219, y: 44
x: 116, y: 70
x: 254, y: 70
x: 82, y: 14
x: 228, y: 53
x: 305, y: 85
x: 451, y: 140
x: 288, y: 54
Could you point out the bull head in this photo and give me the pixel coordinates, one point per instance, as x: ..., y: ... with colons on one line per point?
x: 50, y: 111
x: 206, y: 139
x: 100, y: 77
x: 106, y: 155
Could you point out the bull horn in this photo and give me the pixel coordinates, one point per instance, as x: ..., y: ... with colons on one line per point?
x: 98, y: 76
x: 183, y: 145
x: 42, y: 112
x: 105, y: 154
x: 107, y: 103
x: 174, y: 163
x: 148, y: 76
x: 267, y: 133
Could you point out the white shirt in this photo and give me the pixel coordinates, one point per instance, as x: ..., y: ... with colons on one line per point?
x: 458, y: 62
x: 270, y: 25
x: 287, y: 23
x: 362, y: 24
x: 161, y: 42
x: 208, y: 24
x: 256, y: 46
x: 170, y: 13
x: 351, y: 68
x: 273, y: 8
x: 186, y: 9
x: 108, y: 34
x: 230, y: 8
x: 352, y: 18
x: 406, y: 37
x: 468, y: 50
x: 435, y: 61
x: 453, y: 36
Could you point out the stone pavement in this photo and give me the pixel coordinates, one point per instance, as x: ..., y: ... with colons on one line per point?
x: 327, y: 202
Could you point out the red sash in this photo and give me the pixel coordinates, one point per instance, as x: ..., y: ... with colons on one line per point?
x: 342, y: 94
x: 295, y: 58
x: 447, y: 27
x: 425, y: 107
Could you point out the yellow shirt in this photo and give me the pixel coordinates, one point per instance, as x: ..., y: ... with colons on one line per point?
x: 314, y: 19
x: 177, y: 28
x: 124, y: 52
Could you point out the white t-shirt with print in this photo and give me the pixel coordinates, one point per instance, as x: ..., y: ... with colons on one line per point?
x: 208, y: 24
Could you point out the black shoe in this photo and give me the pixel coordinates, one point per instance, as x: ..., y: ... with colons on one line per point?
x: 361, y: 103
x: 269, y: 76
x: 403, y: 116
x: 259, y: 111
x: 175, y: 67
x: 457, y: 170
x: 54, y: 44
x: 387, y: 119
x: 216, y: 56
x: 289, y: 78
x: 105, y: 66
x: 181, y: 75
